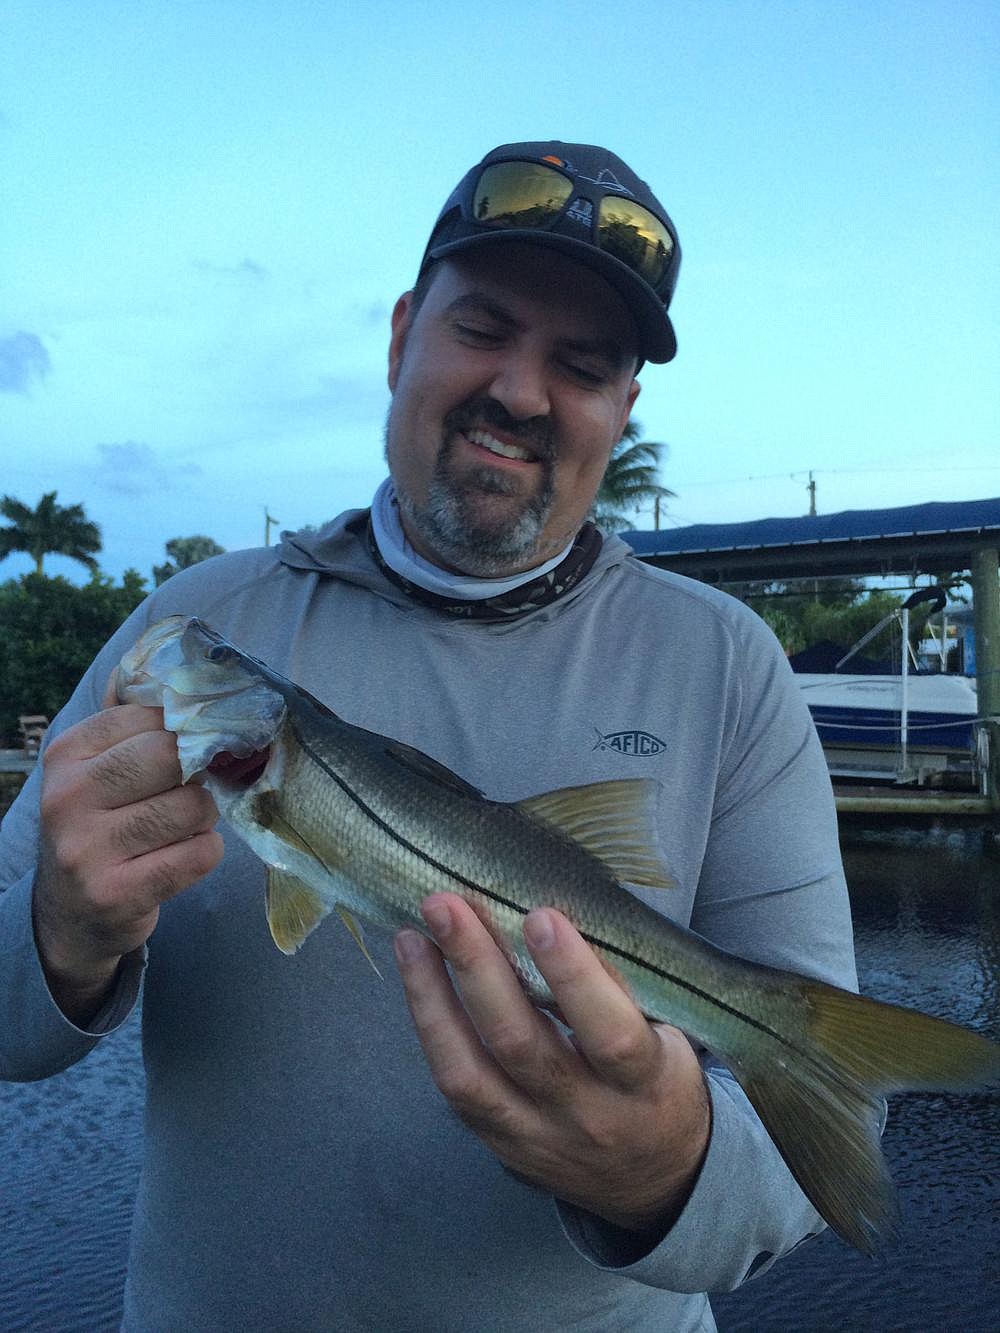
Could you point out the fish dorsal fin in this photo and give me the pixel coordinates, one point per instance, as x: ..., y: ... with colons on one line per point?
x: 614, y: 821
x: 358, y: 937
x: 294, y: 910
x: 429, y: 768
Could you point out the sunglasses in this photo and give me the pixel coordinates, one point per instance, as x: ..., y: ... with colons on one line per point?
x: 537, y: 196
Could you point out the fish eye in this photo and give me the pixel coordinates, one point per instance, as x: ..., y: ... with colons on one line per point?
x: 218, y: 653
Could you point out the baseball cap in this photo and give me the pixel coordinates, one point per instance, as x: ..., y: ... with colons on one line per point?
x: 587, y: 203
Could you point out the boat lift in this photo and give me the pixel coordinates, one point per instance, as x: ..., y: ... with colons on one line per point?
x: 905, y: 772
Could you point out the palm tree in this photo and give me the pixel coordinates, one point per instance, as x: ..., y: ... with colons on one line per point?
x: 49, y: 529
x: 185, y: 552
x: 630, y: 480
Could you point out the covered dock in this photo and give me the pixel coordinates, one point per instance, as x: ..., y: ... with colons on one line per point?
x: 909, y: 541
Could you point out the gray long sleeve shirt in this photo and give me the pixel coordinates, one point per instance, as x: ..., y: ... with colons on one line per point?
x: 301, y: 1171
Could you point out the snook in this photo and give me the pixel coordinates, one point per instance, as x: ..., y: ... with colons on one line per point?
x: 349, y: 820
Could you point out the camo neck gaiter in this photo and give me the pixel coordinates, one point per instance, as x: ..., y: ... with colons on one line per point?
x: 461, y: 595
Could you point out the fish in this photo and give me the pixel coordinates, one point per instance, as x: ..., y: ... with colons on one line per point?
x: 353, y: 822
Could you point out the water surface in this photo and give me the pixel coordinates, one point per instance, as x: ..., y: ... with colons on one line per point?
x: 927, y: 920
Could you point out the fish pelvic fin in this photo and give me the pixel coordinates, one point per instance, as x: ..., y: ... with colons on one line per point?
x: 294, y: 910
x: 822, y: 1099
x: 357, y: 935
x: 614, y: 821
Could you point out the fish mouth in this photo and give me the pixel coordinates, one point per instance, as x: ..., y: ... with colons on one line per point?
x: 238, y: 772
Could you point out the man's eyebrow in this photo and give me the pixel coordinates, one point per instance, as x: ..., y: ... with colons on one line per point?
x: 608, y: 350
x: 479, y: 303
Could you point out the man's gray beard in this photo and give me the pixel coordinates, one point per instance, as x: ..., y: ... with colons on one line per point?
x: 447, y: 526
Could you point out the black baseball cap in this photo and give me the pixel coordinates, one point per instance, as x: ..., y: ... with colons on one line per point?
x: 579, y: 199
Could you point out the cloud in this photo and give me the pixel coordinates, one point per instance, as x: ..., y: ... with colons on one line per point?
x: 340, y: 398
x: 22, y: 358
x: 247, y: 268
x: 134, y: 469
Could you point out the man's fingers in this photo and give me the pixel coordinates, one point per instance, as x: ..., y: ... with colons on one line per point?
x: 101, y: 731
x: 111, y: 691
x: 139, y: 765
x: 520, y: 1038
x: 610, y: 1032
x: 475, y: 1087
x: 173, y: 817
x: 169, y: 870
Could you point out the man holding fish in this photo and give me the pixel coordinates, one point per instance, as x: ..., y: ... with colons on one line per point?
x: 302, y: 1169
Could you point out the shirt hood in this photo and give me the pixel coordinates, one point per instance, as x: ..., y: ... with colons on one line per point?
x: 339, y: 549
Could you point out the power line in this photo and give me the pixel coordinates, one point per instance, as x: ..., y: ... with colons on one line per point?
x: 841, y: 472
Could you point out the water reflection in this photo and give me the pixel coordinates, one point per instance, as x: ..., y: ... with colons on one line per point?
x: 927, y: 926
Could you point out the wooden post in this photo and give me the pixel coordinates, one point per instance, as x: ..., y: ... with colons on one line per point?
x: 986, y: 606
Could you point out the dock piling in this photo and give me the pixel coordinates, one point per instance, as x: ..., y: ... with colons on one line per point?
x: 986, y: 604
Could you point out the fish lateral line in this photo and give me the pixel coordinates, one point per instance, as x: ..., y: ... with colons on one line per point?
x: 392, y: 833
x: 493, y: 896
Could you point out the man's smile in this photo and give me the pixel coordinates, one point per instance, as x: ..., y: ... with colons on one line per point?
x: 483, y: 439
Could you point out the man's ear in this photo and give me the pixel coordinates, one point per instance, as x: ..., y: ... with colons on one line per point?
x: 634, y: 389
x: 401, y: 319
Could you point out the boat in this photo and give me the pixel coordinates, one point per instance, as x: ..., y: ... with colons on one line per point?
x: 894, y: 720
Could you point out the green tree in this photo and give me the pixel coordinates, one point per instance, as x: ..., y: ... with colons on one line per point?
x: 52, y: 630
x: 806, y: 612
x: 49, y: 529
x: 184, y: 552
x: 630, y: 480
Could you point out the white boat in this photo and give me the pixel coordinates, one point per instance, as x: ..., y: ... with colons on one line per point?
x: 910, y: 725
x: 939, y: 711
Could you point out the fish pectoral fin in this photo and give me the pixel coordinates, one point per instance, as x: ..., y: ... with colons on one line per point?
x: 267, y: 813
x: 294, y: 910
x: 614, y: 821
x: 357, y: 935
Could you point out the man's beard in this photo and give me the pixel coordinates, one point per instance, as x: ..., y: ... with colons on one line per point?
x: 448, y: 523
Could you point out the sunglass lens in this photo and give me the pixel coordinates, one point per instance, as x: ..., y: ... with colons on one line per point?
x: 519, y: 194
x: 632, y: 234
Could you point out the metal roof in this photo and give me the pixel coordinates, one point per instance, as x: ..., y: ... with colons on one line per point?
x: 911, y: 538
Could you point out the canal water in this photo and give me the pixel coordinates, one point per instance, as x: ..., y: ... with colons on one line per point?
x: 927, y: 916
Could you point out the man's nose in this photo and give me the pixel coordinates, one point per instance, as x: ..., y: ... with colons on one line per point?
x: 520, y: 384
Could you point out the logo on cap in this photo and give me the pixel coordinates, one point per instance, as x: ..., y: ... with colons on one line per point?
x: 582, y: 211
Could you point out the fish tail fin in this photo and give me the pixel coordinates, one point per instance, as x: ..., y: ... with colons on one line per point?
x: 822, y: 1099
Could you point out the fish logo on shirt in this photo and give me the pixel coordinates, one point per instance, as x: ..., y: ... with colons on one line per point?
x: 641, y: 743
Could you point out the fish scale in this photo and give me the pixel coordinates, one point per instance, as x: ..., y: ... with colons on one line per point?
x: 350, y: 821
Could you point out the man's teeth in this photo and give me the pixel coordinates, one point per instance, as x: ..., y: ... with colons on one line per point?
x: 495, y: 446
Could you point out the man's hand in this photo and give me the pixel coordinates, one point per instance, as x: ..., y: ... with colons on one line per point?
x: 119, y: 836
x: 615, y: 1120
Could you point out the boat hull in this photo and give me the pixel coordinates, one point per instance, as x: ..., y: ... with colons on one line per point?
x: 863, y: 715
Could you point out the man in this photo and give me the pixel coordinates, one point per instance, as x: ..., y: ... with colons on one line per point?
x: 303, y: 1166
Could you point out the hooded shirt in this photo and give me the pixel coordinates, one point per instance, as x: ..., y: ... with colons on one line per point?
x: 301, y: 1171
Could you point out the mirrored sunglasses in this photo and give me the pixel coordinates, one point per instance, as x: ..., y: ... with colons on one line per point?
x: 535, y: 196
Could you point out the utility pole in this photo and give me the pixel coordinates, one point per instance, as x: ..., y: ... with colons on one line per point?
x: 812, y: 496
x: 268, y: 521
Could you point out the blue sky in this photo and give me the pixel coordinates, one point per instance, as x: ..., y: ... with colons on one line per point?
x: 209, y: 207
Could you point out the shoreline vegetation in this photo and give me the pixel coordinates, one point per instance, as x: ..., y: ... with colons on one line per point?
x: 10, y: 785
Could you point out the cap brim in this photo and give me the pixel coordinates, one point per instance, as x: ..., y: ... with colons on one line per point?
x: 656, y: 333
